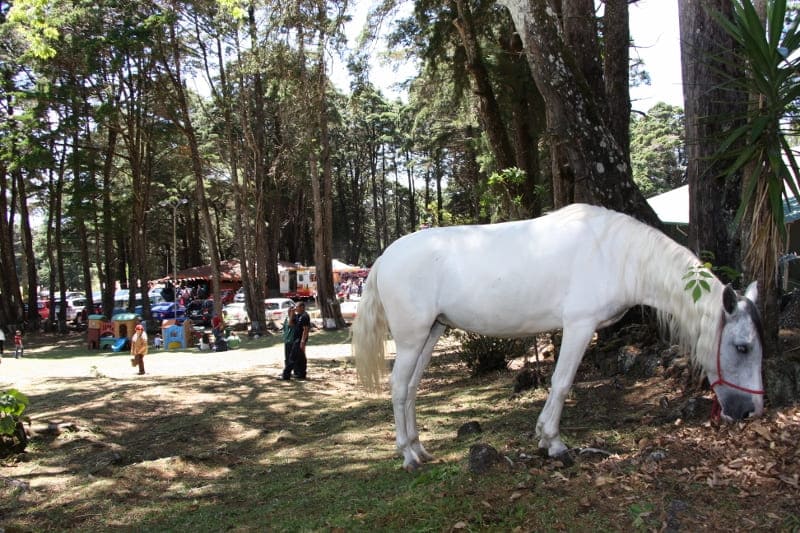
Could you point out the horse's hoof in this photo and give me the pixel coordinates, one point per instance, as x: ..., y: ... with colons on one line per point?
x: 425, y: 457
x: 565, y: 457
x: 412, y: 467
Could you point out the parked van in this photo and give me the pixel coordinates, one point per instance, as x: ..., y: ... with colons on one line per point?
x: 74, y: 308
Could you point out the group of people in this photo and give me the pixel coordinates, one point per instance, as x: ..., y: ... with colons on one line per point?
x: 296, y: 328
x: 350, y: 288
x: 19, y: 347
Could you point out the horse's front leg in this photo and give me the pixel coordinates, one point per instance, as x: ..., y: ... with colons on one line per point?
x: 575, y: 340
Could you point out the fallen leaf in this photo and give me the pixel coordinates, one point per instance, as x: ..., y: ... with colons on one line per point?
x: 761, y: 430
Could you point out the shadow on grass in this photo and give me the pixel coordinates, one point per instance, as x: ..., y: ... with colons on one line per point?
x: 244, y: 451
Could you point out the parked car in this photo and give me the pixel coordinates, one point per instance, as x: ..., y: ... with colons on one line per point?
x: 74, y: 308
x: 277, y: 308
x: 235, y: 315
x: 168, y: 310
x: 200, y: 312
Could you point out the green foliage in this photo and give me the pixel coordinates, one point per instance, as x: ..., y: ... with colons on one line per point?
x: 33, y: 19
x: 726, y: 273
x: 486, y: 354
x: 697, y: 280
x: 658, y: 158
x: 639, y: 514
x: 13, y: 438
x: 12, y: 404
x: 502, y: 199
x: 760, y: 147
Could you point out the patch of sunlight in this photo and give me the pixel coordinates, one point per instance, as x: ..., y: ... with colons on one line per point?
x: 174, y: 467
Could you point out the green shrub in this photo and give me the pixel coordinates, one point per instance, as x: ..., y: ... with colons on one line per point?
x: 487, y: 354
x: 12, y: 433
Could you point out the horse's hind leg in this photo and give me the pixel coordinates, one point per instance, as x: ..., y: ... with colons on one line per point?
x: 576, y: 339
x: 409, y: 365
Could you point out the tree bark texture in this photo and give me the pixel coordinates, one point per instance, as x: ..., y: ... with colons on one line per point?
x: 171, y: 61
x: 616, y: 68
x: 488, y: 108
x: 574, y: 117
x: 322, y: 190
x: 709, y: 110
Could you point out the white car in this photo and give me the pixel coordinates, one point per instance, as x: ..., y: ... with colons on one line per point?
x: 74, y: 308
x: 235, y: 314
x: 277, y: 308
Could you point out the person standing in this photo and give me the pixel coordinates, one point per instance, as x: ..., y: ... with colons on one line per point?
x: 139, y: 348
x: 19, y: 348
x: 288, y: 335
x: 296, y: 361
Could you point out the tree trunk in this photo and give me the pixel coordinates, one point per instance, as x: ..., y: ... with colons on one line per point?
x: 574, y: 116
x: 30, y: 256
x: 488, y: 108
x: 529, y: 123
x: 616, y: 72
x: 10, y: 296
x: 59, y: 246
x: 109, y: 253
x: 580, y: 38
x: 321, y: 185
x: 172, y: 62
x: 709, y: 111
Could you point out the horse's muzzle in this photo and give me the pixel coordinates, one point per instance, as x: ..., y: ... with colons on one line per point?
x: 738, y: 406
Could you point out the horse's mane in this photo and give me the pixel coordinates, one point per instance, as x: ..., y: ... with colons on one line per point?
x: 656, y: 266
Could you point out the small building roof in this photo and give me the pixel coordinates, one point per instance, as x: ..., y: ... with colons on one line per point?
x: 672, y: 207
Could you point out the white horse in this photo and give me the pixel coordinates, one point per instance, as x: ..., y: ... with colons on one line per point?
x: 578, y: 269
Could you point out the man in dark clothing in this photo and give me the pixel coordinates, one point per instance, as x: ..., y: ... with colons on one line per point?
x: 296, y: 357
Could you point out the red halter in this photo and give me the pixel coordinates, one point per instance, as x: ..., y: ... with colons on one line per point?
x: 716, y: 408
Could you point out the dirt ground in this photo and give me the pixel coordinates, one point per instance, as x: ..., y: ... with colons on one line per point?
x: 95, y: 419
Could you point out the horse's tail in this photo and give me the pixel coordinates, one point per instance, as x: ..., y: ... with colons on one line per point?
x: 369, y: 334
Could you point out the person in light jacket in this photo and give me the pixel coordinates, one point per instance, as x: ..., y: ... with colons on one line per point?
x: 139, y: 348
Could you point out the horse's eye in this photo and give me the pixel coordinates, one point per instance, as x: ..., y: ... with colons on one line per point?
x: 742, y: 348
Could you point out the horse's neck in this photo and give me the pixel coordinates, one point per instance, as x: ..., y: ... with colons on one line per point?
x: 662, y: 285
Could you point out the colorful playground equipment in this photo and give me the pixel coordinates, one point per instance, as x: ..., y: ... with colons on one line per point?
x: 97, y: 328
x: 176, y: 337
x: 115, y: 333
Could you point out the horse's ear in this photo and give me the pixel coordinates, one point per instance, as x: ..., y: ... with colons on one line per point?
x: 752, y: 292
x: 729, y: 299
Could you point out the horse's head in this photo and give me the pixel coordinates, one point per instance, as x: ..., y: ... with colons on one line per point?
x: 736, y: 374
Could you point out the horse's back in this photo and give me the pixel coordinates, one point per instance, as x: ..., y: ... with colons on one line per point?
x: 497, y: 278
